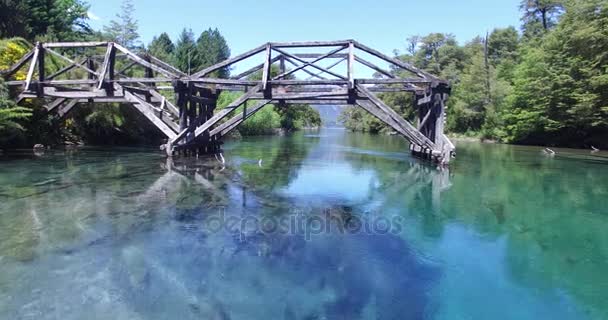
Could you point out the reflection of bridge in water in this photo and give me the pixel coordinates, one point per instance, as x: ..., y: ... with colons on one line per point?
x: 191, y: 123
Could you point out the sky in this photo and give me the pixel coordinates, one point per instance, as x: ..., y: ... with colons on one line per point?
x: 381, y: 24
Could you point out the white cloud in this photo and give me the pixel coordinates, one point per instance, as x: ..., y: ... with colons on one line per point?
x: 93, y: 16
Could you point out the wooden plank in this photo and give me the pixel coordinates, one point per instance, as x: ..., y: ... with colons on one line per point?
x: 64, y: 70
x: 51, y: 106
x: 106, y: 65
x: 15, y: 67
x: 380, y: 115
x: 53, y: 92
x: 59, y: 55
x: 144, y: 108
x: 396, y: 62
x: 306, y: 95
x: 312, y: 75
x: 229, y: 125
x: 316, y: 55
x: 74, y: 44
x: 256, y: 68
x: 145, y: 63
x: 228, y: 62
x: 411, y: 132
x: 30, y: 72
x: 351, y: 65
x: 167, y: 66
x: 374, y: 67
x: 311, y: 64
x: 266, y: 69
x: 393, y: 81
x: 127, y: 67
x: 221, y: 114
x: 66, y: 108
x: 310, y: 44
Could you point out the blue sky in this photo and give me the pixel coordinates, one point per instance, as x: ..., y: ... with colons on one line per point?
x: 382, y: 24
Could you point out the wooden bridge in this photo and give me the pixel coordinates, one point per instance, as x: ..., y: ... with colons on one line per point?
x: 95, y: 72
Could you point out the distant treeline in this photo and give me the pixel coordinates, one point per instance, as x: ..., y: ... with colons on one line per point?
x: 547, y: 84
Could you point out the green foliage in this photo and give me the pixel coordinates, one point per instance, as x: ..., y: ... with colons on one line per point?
x: 561, y: 89
x: 186, y: 56
x: 539, y: 16
x: 298, y: 116
x: 162, y: 48
x: 123, y: 30
x: 10, y: 113
x: 212, y: 48
x: 61, y: 19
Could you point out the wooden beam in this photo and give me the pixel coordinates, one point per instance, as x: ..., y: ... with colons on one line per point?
x: 74, y: 44
x: 30, y: 72
x: 167, y: 66
x: 374, y: 67
x: 309, y: 44
x: 228, y: 62
x: 380, y: 115
x: 411, y: 132
x: 145, y: 109
x: 222, y: 113
x: 256, y: 68
x: 106, y: 65
x: 59, y: 55
x: 51, y: 106
x: 311, y: 64
x: 396, y: 62
x: 64, y: 70
x: 393, y: 81
x: 145, y: 63
x: 15, y: 67
x: 229, y: 125
x: 266, y: 70
x: 351, y: 65
x: 316, y: 55
x: 312, y: 75
x: 66, y: 108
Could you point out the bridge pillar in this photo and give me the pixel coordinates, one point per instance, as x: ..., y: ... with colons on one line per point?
x: 431, y: 108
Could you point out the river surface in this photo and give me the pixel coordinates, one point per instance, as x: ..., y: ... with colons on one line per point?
x: 318, y: 225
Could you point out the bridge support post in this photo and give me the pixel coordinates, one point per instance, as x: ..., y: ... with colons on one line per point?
x: 431, y: 108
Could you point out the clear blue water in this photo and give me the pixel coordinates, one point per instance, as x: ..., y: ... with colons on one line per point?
x: 318, y: 225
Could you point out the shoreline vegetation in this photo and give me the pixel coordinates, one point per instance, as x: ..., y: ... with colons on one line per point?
x: 544, y: 84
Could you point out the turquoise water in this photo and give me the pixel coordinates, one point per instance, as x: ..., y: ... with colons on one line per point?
x: 319, y: 225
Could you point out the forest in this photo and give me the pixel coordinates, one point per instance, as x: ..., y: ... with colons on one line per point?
x: 544, y: 82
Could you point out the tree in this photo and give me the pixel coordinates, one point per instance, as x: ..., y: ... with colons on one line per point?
x: 539, y: 15
x: 123, y: 30
x: 560, y: 87
x: 162, y: 48
x: 212, y: 48
x: 186, y: 56
x: 65, y: 19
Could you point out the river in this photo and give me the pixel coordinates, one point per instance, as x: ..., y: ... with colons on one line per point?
x: 318, y: 225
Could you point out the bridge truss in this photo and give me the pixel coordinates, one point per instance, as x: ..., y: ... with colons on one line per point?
x: 106, y: 72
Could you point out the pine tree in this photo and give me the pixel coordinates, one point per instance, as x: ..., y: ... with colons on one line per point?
x: 186, y: 56
x: 124, y: 29
x: 162, y: 48
x: 212, y: 48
